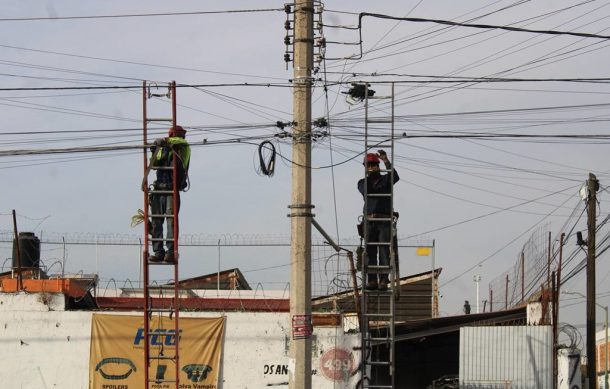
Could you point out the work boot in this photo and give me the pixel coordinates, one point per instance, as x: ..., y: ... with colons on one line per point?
x: 169, y: 257
x: 156, y: 257
x: 371, y: 285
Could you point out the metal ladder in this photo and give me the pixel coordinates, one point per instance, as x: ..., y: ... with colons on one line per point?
x: 378, y: 307
x: 161, y: 313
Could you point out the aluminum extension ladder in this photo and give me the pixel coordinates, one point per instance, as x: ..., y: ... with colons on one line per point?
x: 161, y: 304
x: 378, y: 307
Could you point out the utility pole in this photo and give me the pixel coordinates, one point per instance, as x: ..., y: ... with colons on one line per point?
x: 299, y: 364
x: 592, y: 186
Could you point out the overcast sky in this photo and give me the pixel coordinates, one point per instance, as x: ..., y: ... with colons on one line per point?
x: 479, y: 199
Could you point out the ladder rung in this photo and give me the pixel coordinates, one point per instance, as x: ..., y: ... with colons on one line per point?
x: 161, y: 310
x: 155, y: 191
x: 379, y: 243
x: 161, y: 215
x: 379, y: 293
x: 159, y: 119
x: 161, y: 167
x: 377, y: 386
x: 159, y: 357
x: 378, y: 267
x: 378, y: 271
x: 387, y: 339
x: 379, y: 314
x: 378, y: 363
x: 379, y: 194
x: 163, y: 287
x: 162, y: 263
x: 379, y: 145
x: 379, y: 219
x: 160, y: 240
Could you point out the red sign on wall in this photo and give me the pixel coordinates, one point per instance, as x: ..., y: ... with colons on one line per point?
x: 301, y: 326
x: 337, y: 364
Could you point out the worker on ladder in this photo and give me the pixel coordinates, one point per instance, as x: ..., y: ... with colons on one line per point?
x: 163, y: 204
x: 375, y: 208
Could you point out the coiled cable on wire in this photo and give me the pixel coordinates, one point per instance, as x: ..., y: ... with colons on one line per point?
x: 266, y: 159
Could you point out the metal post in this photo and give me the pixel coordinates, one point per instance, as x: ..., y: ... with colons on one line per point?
x: 218, y: 272
x: 299, y: 364
x: 506, y: 295
x: 434, y: 284
x: 606, y: 356
x: 522, y: 277
x: 592, y: 185
x: 477, y: 279
x: 548, y: 263
x: 491, y: 300
x: 141, y: 257
x: 556, y: 309
x: 19, y: 275
x: 63, y: 258
x: 554, y: 305
x: 145, y: 255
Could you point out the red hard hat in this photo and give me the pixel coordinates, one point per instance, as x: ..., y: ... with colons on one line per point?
x: 177, y: 131
x: 371, y: 158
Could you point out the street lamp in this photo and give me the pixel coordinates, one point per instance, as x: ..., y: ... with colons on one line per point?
x: 605, y: 308
x: 477, y: 278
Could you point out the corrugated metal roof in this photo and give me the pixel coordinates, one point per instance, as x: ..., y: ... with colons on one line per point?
x: 415, y: 300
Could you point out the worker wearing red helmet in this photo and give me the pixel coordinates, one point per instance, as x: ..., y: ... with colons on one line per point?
x: 163, y: 204
x: 378, y: 207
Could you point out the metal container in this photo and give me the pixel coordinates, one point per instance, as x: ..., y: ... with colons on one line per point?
x: 516, y: 357
x: 29, y: 250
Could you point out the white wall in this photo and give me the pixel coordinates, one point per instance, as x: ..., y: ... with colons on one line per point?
x: 568, y: 369
x: 46, y: 347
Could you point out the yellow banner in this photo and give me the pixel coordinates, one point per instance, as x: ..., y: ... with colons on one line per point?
x: 117, y: 352
x: 423, y: 251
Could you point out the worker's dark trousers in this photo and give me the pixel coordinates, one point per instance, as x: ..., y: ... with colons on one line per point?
x: 378, y: 231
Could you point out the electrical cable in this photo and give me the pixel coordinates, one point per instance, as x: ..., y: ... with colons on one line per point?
x: 438, y: 94
x: 506, y: 245
x: 266, y: 85
x: 141, y: 15
x: 470, y: 25
x: 137, y: 63
x: 330, y: 149
x: 484, y: 216
x: 267, y: 167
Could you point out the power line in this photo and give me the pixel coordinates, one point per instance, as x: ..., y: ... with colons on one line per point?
x: 485, y: 215
x: 141, y: 15
x: 507, y: 244
x: 470, y: 25
x: 134, y: 62
x: 438, y: 79
x: 460, y: 79
x: 268, y: 85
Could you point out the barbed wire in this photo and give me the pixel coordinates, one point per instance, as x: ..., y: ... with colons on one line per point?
x: 229, y: 239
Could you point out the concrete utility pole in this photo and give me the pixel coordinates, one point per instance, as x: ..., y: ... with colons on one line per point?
x: 592, y: 186
x: 477, y: 278
x: 299, y: 365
